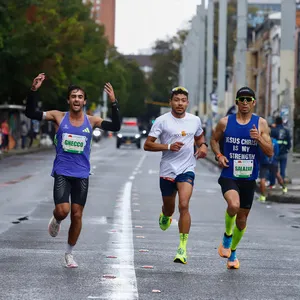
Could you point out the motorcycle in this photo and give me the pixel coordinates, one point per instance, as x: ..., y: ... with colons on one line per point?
x: 97, y: 134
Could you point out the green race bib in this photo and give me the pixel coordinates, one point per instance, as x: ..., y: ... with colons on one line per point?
x: 242, y: 168
x: 73, y: 143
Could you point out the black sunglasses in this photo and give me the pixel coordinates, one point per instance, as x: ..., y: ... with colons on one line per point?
x: 243, y: 98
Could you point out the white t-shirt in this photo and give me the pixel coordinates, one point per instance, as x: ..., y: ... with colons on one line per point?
x: 169, y: 130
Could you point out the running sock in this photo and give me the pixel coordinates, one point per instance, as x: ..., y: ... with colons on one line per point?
x: 183, y: 239
x: 229, y: 222
x: 69, y: 248
x: 237, y: 236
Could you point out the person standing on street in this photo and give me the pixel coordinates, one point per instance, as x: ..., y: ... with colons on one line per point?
x: 283, y: 137
x: 5, y: 135
x: 71, y: 166
x: 177, y: 131
x: 243, y: 134
x: 24, y: 133
x: 269, y: 165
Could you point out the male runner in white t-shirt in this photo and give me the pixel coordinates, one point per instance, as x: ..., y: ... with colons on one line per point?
x: 177, y: 131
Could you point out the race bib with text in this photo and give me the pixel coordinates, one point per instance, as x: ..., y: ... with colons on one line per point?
x: 73, y: 143
x: 242, y: 168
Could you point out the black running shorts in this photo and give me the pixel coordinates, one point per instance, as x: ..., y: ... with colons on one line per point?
x: 245, y: 189
x: 64, y: 186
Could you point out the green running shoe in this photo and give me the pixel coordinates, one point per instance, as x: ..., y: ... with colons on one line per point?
x: 262, y: 198
x: 164, y: 221
x: 181, y: 256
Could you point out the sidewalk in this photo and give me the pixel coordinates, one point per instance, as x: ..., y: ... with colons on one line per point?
x: 293, y: 173
x: 33, y: 149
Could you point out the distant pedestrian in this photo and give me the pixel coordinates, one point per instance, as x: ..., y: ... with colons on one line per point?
x: 283, y: 137
x: 269, y: 166
x: 5, y: 135
x: 24, y: 133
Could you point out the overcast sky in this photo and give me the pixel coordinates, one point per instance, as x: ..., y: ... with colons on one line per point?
x: 139, y: 23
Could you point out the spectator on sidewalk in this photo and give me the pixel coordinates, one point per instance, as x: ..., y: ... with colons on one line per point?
x: 24, y: 133
x: 269, y: 166
x: 5, y: 134
x: 282, y: 135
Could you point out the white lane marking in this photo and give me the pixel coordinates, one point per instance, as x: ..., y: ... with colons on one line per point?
x: 152, y: 172
x: 140, y: 162
x: 124, y: 286
x: 210, y: 191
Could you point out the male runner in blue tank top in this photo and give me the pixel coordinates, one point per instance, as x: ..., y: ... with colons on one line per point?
x: 71, y: 166
x: 243, y: 133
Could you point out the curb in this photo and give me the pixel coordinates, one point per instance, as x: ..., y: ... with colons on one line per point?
x: 28, y: 151
x: 291, y: 199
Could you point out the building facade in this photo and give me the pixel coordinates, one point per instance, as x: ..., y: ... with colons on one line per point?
x: 264, y: 64
x: 104, y: 12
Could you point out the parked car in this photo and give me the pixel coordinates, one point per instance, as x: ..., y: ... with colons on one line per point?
x: 129, y: 135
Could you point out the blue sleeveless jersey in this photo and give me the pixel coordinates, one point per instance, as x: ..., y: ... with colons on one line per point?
x: 73, y: 146
x: 241, y: 150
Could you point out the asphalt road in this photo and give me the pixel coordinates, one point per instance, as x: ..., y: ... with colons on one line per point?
x: 122, y: 253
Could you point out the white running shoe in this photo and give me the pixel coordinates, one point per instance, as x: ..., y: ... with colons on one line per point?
x: 53, y: 227
x: 70, y: 262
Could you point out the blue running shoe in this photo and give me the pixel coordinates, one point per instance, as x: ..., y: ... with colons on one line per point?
x: 224, y: 248
x: 233, y: 262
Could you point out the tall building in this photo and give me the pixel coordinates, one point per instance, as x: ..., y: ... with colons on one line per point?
x: 104, y: 12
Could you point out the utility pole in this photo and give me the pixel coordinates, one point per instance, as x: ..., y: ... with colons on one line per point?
x: 193, y: 58
x: 287, y: 66
x: 241, y: 45
x: 210, y: 56
x: 201, y: 15
x: 222, y: 45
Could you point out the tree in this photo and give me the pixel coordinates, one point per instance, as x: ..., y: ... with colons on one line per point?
x: 60, y: 39
x: 166, y: 59
x: 56, y: 37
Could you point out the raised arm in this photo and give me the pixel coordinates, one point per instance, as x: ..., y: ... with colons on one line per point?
x: 32, y: 99
x: 114, y: 124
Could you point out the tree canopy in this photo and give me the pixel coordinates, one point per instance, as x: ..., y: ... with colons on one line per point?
x: 60, y: 39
